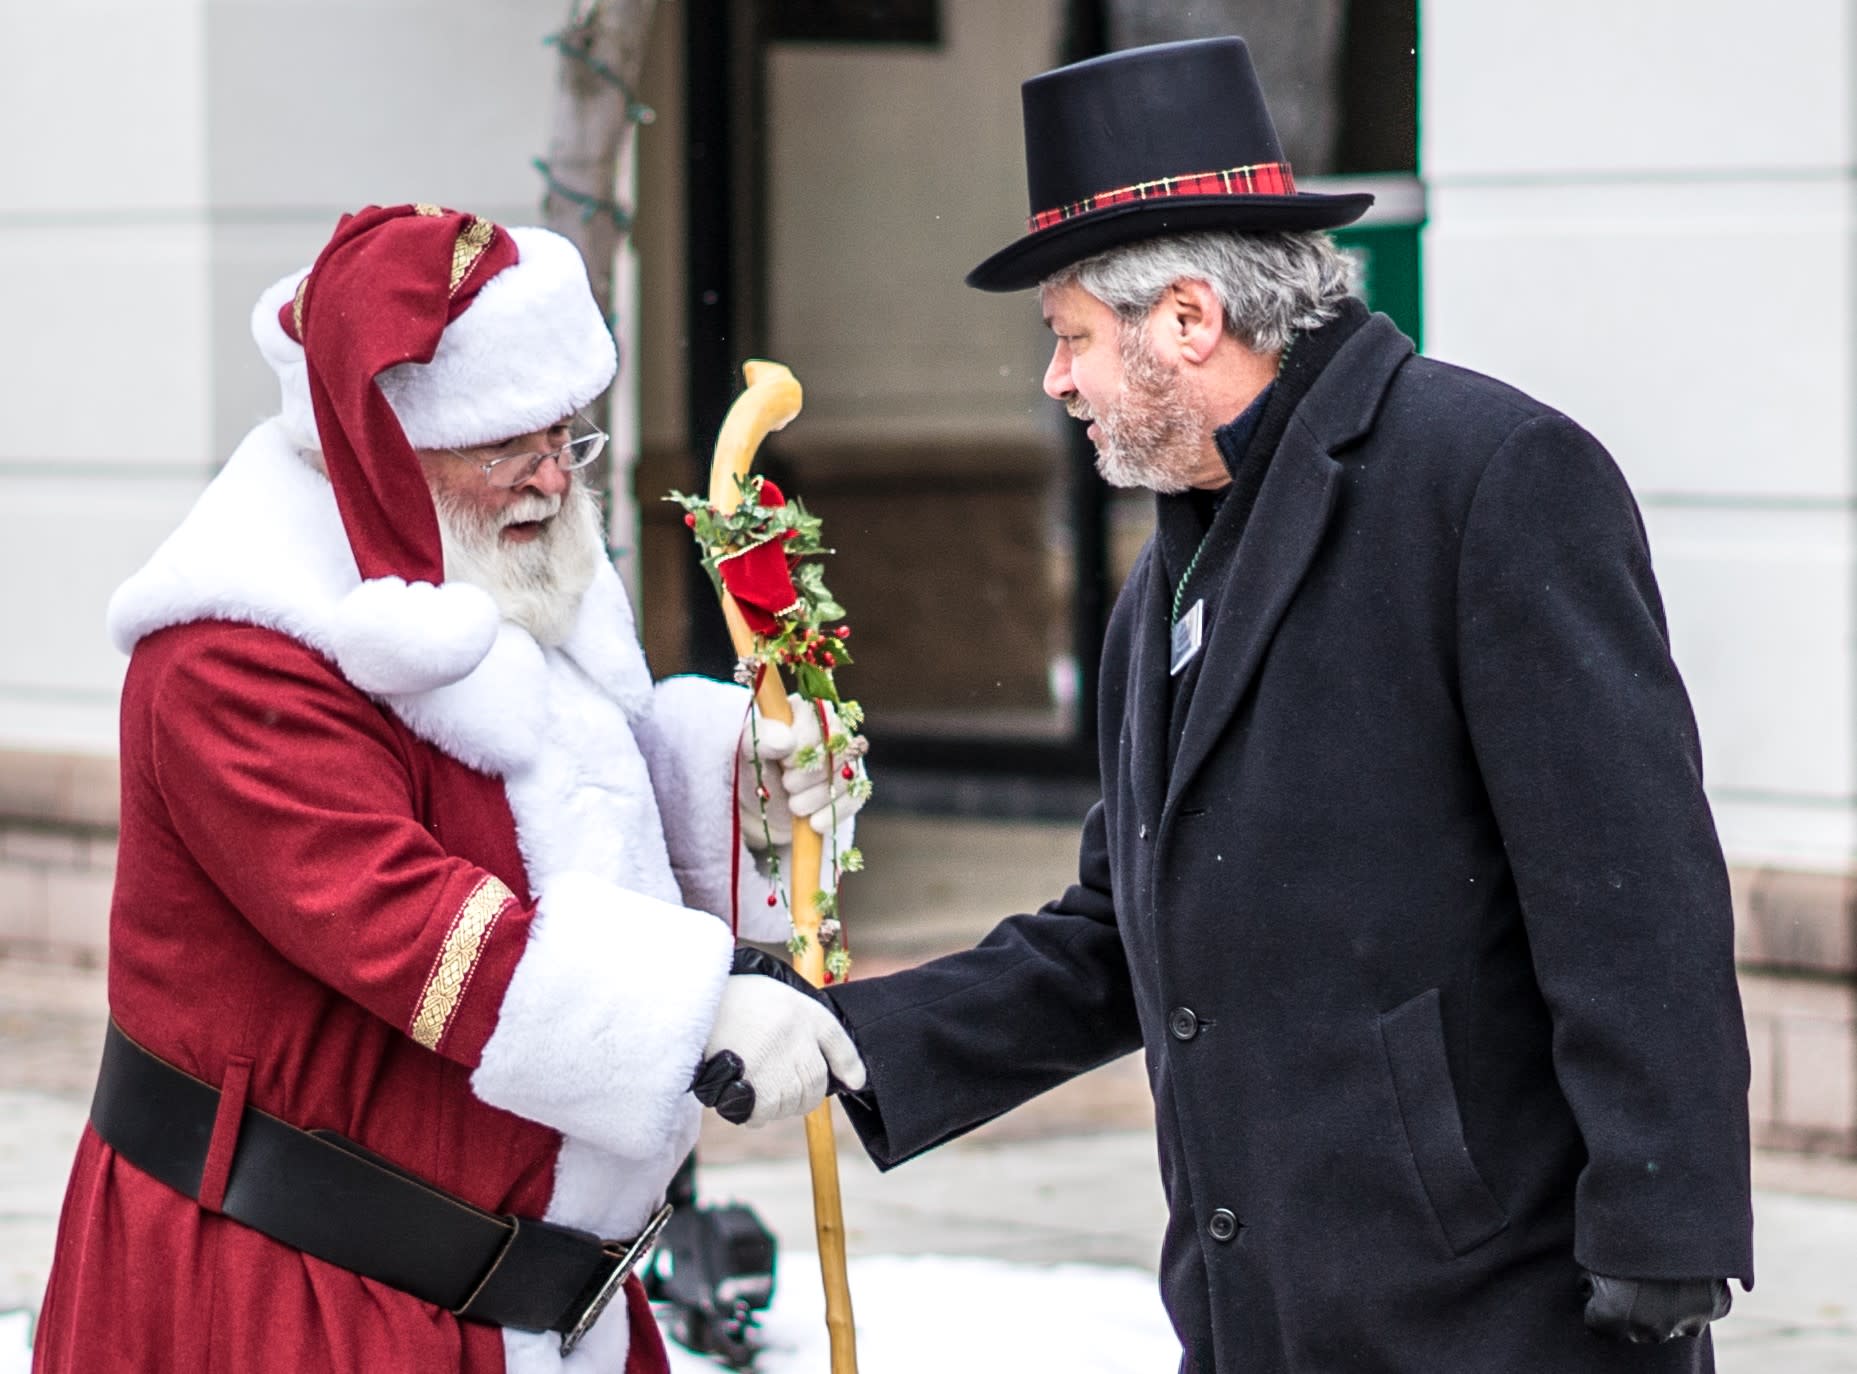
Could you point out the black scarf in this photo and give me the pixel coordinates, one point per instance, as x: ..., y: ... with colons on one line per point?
x: 1246, y: 444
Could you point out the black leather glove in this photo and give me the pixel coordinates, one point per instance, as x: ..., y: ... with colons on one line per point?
x: 1646, y: 1311
x: 748, y: 959
x: 798, y: 1051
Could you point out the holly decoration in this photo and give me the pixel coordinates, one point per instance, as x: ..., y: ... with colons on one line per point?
x: 764, y: 553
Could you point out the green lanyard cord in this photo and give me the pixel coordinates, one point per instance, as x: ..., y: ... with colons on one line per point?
x: 1193, y: 562
x: 1185, y: 577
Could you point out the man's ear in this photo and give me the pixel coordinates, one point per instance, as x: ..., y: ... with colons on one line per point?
x: 1195, y: 319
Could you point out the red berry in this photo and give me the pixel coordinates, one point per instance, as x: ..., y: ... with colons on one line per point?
x: 761, y: 792
x: 773, y: 899
x: 847, y: 772
x: 843, y: 632
x: 828, y: 660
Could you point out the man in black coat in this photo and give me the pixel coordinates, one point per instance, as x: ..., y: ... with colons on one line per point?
x: 1403, y: 879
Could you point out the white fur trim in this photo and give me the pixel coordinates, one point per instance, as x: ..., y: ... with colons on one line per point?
x: 605, y: 1018
x: 690, y: 741
x: 373, y: 627
x: 265, y: 545
x: 604, y: 642
x: 492, y: 718
x: 603, y: 1350
x: 768, y: 923
x: 530, y: 348
x: 285, y: 355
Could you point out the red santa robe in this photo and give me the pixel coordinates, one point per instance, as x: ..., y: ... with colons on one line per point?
x: 389, y: 867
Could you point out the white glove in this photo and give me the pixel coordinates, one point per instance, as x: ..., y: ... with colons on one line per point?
x: 823, y: 800
x: 786, y: 1043
x: 774, y: 743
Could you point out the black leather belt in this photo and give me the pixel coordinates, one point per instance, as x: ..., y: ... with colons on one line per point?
x: 321, y: 1193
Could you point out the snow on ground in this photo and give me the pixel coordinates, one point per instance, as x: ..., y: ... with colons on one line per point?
x: 926, y: 1314
x: 922, y: 1313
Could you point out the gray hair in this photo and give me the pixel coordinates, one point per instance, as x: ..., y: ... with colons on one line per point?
x: 1271, y: 286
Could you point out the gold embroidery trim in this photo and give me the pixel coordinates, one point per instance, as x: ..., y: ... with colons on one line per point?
x: 296, y: 306
x: 472, y: 240
x: 457, y: 959
x: 431, y: 211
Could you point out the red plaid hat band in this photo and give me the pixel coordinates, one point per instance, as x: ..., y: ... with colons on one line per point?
x: 1259, y: 179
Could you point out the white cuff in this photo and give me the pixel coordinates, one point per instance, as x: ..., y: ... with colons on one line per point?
x: 767, y: 923
x: 605, y: 1018
x: 689, y: 743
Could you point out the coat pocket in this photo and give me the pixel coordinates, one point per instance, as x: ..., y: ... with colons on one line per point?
x: 1413, y: 1037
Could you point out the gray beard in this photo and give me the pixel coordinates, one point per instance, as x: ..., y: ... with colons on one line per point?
x: 537, y: 585
x: 1151, y: 437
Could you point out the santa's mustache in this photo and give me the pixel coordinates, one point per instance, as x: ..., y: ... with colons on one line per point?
x: 1078, y: 409
x: 531, y: 507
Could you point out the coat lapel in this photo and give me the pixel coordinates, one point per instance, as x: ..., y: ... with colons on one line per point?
x: 1147, y: 760
x: 1285, y: 529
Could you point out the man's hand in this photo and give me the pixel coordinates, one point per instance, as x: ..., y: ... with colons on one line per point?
x: 776, y: 1048
x: 1646, y: 1311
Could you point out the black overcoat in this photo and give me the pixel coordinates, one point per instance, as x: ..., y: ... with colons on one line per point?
x: 1425, y: 936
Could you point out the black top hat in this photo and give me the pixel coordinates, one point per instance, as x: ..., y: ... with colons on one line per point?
x: 1169, y: 139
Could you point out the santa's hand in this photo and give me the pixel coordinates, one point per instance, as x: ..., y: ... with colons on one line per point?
x: 765, y: 821
x: 776, y: 1048
x: 822, y: 797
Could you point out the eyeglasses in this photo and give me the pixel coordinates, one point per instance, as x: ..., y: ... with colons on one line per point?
x: 513, y: 469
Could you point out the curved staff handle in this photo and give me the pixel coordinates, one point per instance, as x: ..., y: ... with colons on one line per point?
x: 772, y: 399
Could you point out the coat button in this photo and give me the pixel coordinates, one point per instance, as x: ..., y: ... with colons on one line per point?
x: 1182, y: 1023
x: 1223, y: 1226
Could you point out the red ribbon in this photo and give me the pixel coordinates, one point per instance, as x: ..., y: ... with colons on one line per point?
x: 1259, y: 179
x: 760, y: 577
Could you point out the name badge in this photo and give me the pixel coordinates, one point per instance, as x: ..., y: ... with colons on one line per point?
x: 1189, y: 634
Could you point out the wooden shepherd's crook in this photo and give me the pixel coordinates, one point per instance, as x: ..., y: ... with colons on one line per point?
x: 771, y: 400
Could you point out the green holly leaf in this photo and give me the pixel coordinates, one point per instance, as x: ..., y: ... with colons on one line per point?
x: 813, y: 683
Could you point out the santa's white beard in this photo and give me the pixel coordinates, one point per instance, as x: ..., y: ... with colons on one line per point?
x: 538, y: 583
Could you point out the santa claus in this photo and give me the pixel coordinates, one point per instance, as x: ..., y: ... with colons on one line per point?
x: 414, y: 949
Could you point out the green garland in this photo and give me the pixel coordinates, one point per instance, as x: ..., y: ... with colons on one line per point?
x: 809, y: 647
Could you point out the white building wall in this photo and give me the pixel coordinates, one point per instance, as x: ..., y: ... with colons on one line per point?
x: 103, y: 287
x: 163, y: 161
x: 1642, y: 213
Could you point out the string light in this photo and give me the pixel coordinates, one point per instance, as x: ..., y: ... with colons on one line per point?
x: 590, y: 205
x: 574, y: 43
x: 576, y: 46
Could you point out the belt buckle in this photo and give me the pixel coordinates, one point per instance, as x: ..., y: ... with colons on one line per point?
x: 629, y: 1258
